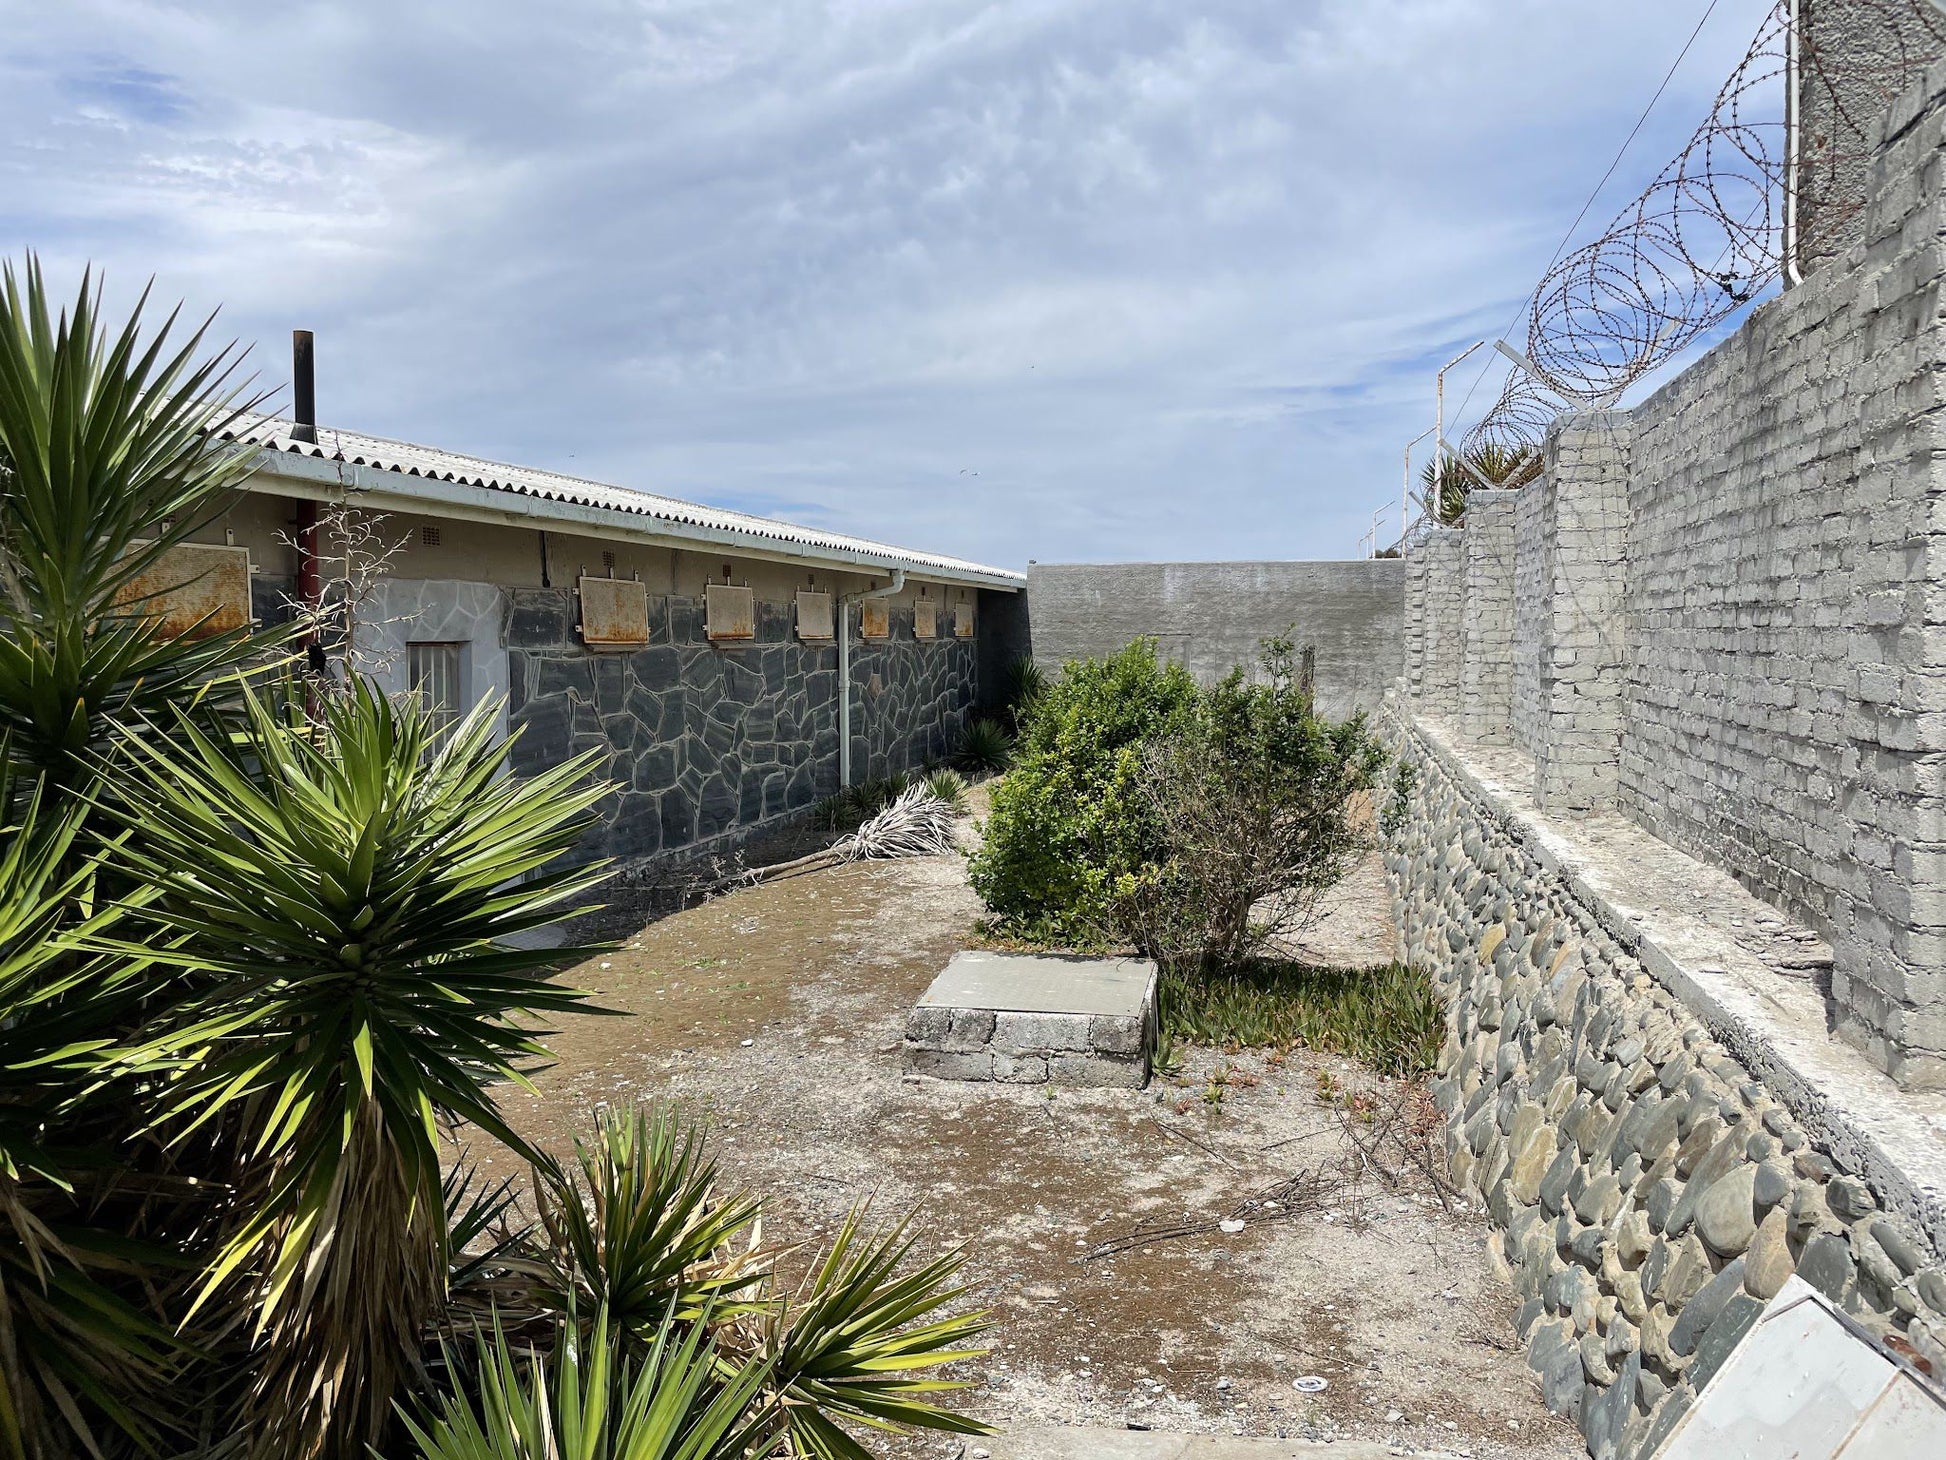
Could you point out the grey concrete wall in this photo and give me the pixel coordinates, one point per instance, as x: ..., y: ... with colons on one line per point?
x: 1728, y: 614
x: 1530, y: 603
x: 1487, y: 618
x: 1786, y: 550
x: 1855, y: 54
x: 1210, y: 617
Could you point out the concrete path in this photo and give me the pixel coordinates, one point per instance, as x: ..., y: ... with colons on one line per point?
x: 1105, y: 1444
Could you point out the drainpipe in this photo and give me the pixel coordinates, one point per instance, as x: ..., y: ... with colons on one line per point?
x: 844, y: 669
x: 304, y: 427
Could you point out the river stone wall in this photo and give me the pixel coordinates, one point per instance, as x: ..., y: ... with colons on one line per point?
x: 706, y: 741
x: 1647, y: 1191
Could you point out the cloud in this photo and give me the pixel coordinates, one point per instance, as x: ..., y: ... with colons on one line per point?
x: 1171, y: 279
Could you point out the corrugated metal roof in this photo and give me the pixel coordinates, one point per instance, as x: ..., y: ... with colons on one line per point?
x: 407, y: 460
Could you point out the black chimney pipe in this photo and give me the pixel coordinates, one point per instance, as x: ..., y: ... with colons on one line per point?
x: 304, y: 388
x: 304, y: 411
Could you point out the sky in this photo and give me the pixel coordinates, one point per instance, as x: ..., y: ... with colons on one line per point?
x: 1054, y: 280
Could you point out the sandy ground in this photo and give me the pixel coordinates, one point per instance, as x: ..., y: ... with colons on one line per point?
x: 776, y: 1012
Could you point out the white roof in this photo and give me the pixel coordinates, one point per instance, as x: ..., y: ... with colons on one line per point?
x: 685, y: 519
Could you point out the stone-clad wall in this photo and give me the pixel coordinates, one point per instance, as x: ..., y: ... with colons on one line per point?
x: 1648, y: 1190
x: 707, y: 740
x: 1788, y: 641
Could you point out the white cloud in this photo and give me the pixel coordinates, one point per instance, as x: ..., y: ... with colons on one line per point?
x: 1171, y: 279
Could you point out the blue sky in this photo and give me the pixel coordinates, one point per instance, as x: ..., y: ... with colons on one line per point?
x: 1072, y: 280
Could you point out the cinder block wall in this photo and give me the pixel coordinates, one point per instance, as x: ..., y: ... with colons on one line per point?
x: 1210, y: 617
x: 1727, y: 617
x: 1788, y: 635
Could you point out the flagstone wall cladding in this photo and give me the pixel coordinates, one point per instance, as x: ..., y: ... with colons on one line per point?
x: 706, y: 741
x: 1647, y: 1191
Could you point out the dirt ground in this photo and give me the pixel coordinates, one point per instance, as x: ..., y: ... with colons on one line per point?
x: 776, y: 1013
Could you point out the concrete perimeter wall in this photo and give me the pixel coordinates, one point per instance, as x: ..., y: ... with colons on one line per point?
x: 1675, y: 847
x: 1728, y: 620
x: 1210, y: 617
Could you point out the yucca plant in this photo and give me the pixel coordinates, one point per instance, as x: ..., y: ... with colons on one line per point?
x: 638, y: 1235
x: 78, y: 1346
x: 856, y: 1341
x: 335, y: 896
x: 110, y: 455
x: 985, y: 747
x: 679, y: 1400
x: 1445, y: 483
x: 642, y: 1236
x: 949, y: 787
x: 1026, y: 682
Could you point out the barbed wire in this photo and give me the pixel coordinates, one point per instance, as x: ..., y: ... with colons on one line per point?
x: 1714, y: 228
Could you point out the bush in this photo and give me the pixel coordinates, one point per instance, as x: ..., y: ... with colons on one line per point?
x: 1262, y: 804
x: 1070, y: 820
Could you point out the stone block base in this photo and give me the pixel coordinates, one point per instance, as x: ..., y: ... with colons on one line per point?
x: 1036, y: 1020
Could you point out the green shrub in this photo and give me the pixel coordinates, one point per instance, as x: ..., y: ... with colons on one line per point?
x: 1263, y: 806
x: 1070, y: 820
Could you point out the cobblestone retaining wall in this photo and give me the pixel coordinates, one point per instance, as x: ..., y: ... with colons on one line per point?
x: 707, y: 741
x: 1648, y: 1190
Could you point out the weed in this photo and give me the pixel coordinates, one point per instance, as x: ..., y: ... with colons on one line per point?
x: 1389, y: 1017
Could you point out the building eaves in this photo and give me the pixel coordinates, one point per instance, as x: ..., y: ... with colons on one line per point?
x: 680, y: 519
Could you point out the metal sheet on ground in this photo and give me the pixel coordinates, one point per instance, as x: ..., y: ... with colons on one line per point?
x: 1808, y: 1385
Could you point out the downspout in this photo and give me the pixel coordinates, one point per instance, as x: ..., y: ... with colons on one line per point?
x: 304, y: 427
x: 844, y: 669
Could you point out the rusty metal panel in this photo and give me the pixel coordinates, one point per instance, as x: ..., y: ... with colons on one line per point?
x: 729, y: 613
x: 192, y: 591
x: 962, y: 620
x: 875, y: 619
x: 814, y: 619
x: 925, y: 618
x: 614, y: 613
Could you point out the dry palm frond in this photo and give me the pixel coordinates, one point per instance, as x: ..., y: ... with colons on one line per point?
x: 918, y: 824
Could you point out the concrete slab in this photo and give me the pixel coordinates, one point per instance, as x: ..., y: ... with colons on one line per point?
x: 1043, y: 983
x: 1103, y: 1444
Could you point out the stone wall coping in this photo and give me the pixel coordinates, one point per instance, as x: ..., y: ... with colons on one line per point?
x: 1675, y: 916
